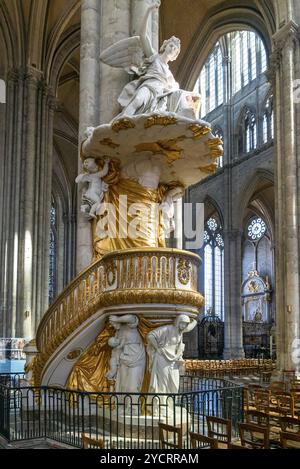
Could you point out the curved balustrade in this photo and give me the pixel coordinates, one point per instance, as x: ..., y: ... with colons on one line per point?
x: 133, y: 276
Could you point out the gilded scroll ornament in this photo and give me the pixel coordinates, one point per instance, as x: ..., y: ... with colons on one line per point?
x: 199, y: 130
x: 160, y: 120
x: 122, y: 124
x: 184, y: 271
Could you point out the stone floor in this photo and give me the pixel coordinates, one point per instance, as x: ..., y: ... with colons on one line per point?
x: 34, y: 444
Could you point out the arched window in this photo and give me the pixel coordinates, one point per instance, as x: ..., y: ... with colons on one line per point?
x: 53, y: 252
x: 211, y: 82
x: 214, y: 267
x: 218, y: 132
x: 247, y: 60
x: 268, y: 121
x: 257, y: 248
x: 250, y: 131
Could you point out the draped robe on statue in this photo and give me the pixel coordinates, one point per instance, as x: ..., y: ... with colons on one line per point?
x: 89, y: 373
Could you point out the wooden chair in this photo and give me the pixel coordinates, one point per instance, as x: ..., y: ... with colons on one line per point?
x: 219, y: 429
x: 289, y: 425
x: 235, y: 446
x: 255, y: 436
x: 277, y: 386
x: 91, y: 443
x: 202, y: 441
x: 262, y: 400
x: 176, y: 436
x: 289, y: 440
x: 285, y: 403
x: 257, y: 417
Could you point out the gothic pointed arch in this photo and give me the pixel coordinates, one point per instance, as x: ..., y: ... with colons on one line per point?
x: 37, y: 32
x: 69, y: 43
x: 60, y: 33
x: 219, y: 23
x: 259, y: 179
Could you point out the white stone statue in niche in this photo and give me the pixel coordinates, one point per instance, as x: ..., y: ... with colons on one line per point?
x: 168, y: 210
x: 93, y: 195
x: 165, y: 350
x: 154, y: 87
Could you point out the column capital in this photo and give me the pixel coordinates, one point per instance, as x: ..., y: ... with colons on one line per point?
x: 284, y: 38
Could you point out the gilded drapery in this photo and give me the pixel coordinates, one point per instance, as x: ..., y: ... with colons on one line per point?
x: 150, y: 233
x: 89, y: 373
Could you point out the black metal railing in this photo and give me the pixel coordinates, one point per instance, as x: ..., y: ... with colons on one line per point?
x: 120, y: 421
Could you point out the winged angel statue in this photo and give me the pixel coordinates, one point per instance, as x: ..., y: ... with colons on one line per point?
x: 154, y: 87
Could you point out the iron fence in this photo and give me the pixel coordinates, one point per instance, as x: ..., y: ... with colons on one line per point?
x: 119, y: 420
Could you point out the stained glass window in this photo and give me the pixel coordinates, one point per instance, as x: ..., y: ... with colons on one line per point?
x: 256, y: 228
x: 251, y: 131
x: 52, y: 252
x: 268, y: 121
x: 214, y: 267
x: 211, y: 82
x: 247, y: 60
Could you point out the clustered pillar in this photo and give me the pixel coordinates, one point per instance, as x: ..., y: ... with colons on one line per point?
x: 26, y: 202
x: 284, y: 70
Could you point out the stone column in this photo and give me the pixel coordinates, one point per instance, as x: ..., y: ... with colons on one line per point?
x: 115, y: 25
x: 89, y: 112
x: 284, y: 70
x: 26, y: 203
x: 233, y: 325
x: 103, y: 23
x: 138, y: 9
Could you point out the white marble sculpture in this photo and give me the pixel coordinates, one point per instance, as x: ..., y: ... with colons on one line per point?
x: 154, y: 87
x: 146, y: 171
x: 165, y: 350
x: 93, y: 195
x: 116, y: 346
x: 127, y: 365
x: 168, y: 210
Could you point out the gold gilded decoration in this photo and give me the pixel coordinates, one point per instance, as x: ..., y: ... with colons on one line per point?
x: 253, y: 287
x: 89, y: 373
x: 160, y: 120
x: 167, y: 148
x: 212, y: 142
x: 199, y: 130
x: 122, y: 124
x: 183, y: 271
x: 178, y: 297
x: 74, y: 354
x: 215, y: 147
x: 209, y: 169
x: 138, y: 283
x: 149, y: 232
x: 108, y: 142
x: 111, y: 274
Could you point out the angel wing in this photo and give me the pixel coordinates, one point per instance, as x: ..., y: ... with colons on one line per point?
x: 127, y: 54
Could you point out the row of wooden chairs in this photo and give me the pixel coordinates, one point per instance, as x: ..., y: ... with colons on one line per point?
x: 254, y: 434
x: 223, y: 364
x: 273, y: 400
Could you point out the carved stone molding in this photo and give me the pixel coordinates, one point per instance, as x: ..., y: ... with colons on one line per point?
x: 284, y: 38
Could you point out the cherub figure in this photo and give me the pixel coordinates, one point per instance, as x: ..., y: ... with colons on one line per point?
x: 167, y: 209
x: 93, y: 196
